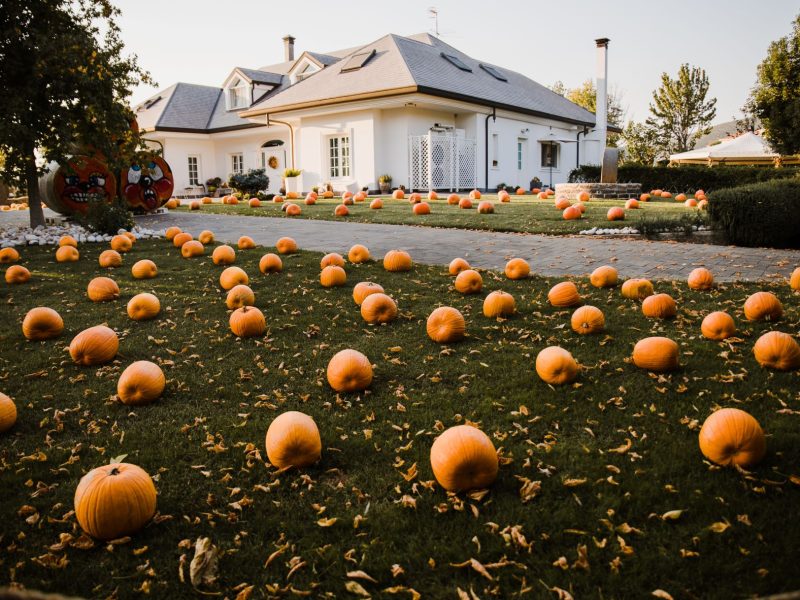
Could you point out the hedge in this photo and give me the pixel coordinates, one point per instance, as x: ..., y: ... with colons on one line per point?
x: 761, y: 214
x: 688, y: 178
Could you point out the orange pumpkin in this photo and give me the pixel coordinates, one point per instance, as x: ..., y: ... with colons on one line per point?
x: 503, y: 196
x: 247, y: 321
x: 180, y: 239
x: 293, y: 440
x: 223, y: 255
x: 453, y: 199
x: 114, y: 501
x: 292, y: 210
x: 67, y: 254
x: 364, y: 289
x: 583, y: 196
x: 718, y: 325
x: 143, y: 307
x: 777, y: 350
x: 121, y: 243
x: 310, y: 200
x: 192, y: 249
x: 485, y: 207
x: 433, y: 195
x: 349, y: 371
x: 94, y: 346
x: 465, y: 203
x: 446, y: 325
x: 286, y: 245
x: 666, y: 194
x: 644, y: 198
x: 588, y: 319
x: 562, y: 203
x: 763, y: 306
x: 360, y: 196
x: 604, y: 277
x: 102, y: 289
x: 172, y: 204
x: 239, y: 296
x: 171, y: 232
x: 270, y: 263
x: 556, y: 366
x: 208, y: 200
x: 277, y: 199
x: 794, y: 280
x: 16, y: 274
x: 397, y: 260
x: 333, y: 276
x: 659, y: 306
x: 701, y: 279
x: 690, y: 203
x: 68, y: 240
x: 702, y: 204
x: 42, y: 323
x: 296, y: 195
x: 231, y: 277
x: 632, y: 204
x: 233, y: 200
x: 378, y: 308
x: 475, y: 195
x: 347, y: 196
x: 680, y: 198
x: 564, y: 294
x: 463, y: 458
x: 657, y: 354
x: 141, y: 383
x: 333, y: 258
x: 415, y: 198
x: 110, y: 259
x: 422, y: 208
x: 8, y: 255
x: 615, y: 214
x: 571, y: 213
x: 341, y: 211
x: 194, y: 205
x: 637, y: 289
x: 517, y: 268
x: 376, y: 204
x: 206, y: 237
x: 8, y: 413
x: 358, y: 254
x: 254, y: 203
x: 731, y: 436
x: 499, y: 304
x: 457, y: 265
x: 469, y: 282
x: 245, y: 243
x: 144, y: 269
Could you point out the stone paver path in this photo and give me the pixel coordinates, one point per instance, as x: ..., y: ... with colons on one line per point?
x: 548, y: 255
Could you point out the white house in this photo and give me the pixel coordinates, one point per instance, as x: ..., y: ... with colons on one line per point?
x: 413, y: 107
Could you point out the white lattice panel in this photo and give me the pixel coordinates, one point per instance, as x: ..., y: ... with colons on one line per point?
x: 441, y: 161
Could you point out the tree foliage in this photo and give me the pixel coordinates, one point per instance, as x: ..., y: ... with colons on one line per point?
x: 585, y: 95
x: 641, y: 144
x: 65, y: 87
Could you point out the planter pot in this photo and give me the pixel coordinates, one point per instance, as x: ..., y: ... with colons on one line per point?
x: 292, y: 184
x: 385, y: 188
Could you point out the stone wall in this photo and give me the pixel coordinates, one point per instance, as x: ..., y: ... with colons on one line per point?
x: 599, y: 190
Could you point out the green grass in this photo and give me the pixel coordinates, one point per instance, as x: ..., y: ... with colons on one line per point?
x: 204, y: 441
x: 523, y: 214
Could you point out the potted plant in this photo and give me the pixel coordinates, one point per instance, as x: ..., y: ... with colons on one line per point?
x: 212, y: 184
x: 385, y: 182
x: 291, y: 182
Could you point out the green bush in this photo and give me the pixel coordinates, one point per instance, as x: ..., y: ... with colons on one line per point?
x: 762, y: 214
x: 252, y: 182
x: 688, y: 178
x: 105, y: 217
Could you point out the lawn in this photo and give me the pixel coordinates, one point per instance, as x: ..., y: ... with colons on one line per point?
x: 587, y: 470
x: 523, y: 214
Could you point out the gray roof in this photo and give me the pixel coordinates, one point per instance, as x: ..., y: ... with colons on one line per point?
x: 718, y: 132
x: 259, y: 76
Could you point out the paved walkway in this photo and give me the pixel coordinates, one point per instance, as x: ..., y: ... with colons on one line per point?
x: 548, y: 255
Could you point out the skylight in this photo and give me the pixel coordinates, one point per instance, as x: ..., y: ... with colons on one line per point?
x: 355, y: 62
x: 149, y: 104
x: 494, y: 72
x: 456, y: 61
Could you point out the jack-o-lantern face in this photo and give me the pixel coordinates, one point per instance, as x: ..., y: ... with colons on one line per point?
x: 83, y: 179
x: 148, y: 183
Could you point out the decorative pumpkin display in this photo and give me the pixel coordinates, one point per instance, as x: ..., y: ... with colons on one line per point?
x: 376, y: 204
x: 446, y: 325
x: 587, y: 320
x: 94, y: 346
x: 657, y: 354
x: 114, y: 501
x: 763, y: 306
x: 701, y: 279
x: 192, y: 249
x: 292, y: 210
x: 415, y: 198
x: 341, y: 211
x: 615, y: 214
x: 517, y: 268
x: 632, y: 204
x: 121, y: 243
x: 8, y: 256
x: 247, y: 321
x: 223, y: 255
x: 334, y: 258
x: 110, y: 259
x: 421, y: 208
x: 499, y: 304
x: 181, y: 238
x: 143, y: 307
x: 233, y: 200
x: 194, y: 205
x: 637, y: 289
x: 67, y: 240
x: 232, y: 276
x: 171, y: 232
x: 293, y: 441
x: 485, y: 207
x: 469, y: 282
x: 794, y: 280
x: 148, y: 183
x: 68, y: 188
x: 206, y: 237
x: 659, y: 306
x: 378, y: 308
x: 42, y: 323
x: 463, y: 458
x: 777, y: 350
x: 239, y: 296
x: 146, y: 269
x: 571, y: 213
x: 358, y: 254
x: 349, y: 371
x: 102, y: 289
x: 254, y: 203
x: 349, y: 196
x: 731, y: 436
x: 564, y: 294
x: 465, y: 203
x: 397, y: 261
x: 67, y: 254
x: 245, y: 243
x: 475, y: 195
x: 141, y: 383
x: 8, y: 413
x: 555, y: 366
x: 563, y: 203
x: 333, y: 276
x: 457, y: 265
x: 16, y: 274
x: 286, y: 245
x: 604, y: 277
x: 718, y: 325
x: 364, y: 289
x: 453, y: 199
x: 270, y: 263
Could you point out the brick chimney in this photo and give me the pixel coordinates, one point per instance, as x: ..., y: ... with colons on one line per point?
x: 288, y: 48
x: 601, y: 112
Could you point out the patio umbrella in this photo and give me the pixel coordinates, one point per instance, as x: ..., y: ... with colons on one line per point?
x: 554, y: 139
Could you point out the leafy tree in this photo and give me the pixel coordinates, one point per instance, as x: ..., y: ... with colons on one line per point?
x: 680, y: 113
x: 65, y: 88
x: 775, y: 99
x: 585, y: 95
x: 642, y: 144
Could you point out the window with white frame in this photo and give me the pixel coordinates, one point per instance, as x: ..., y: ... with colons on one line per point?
x: 550, y: 152
x: 495, y: 150
x: 520, y: 154
x: 237, y: 163
x: 238, y: 94
x: 339, y: 156
x: 194, y: 170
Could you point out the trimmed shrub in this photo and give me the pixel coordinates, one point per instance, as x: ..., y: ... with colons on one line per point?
x: 252, y: 182
x: 761, y: 214
x: 688, y: 178
x: 105, y: 217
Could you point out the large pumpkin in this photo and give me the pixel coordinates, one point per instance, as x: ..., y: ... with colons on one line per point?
x: 333, y: 276
x: 231, y: 277
x: 457, y: 265
x: 564, y: 294
x: 499, y: 304
x: 659, y: 306
x: 701, y: 279
x: 376, y: 204
x: 143, y: 307
x: 349, y: 371
x: 731, y: 436
x: 293, y: 440
x: 114, y: 501
x: 341, y: 211
x: 637, y: 289
x: 144, y: 269
x: 192, y: 249
x: 657, y: 354
x: 247, y: 321
x: 465, y: 203
x: 777, y: 350
x: 358, y: 254
x: 16, y: 274
x: 78, y: 181
x: 463, y: 458
x: 181, y: 238
x: 556, y: 366
x: 245, y: 243
x: 171, y: 232
x: 94, y: 346
x: 794, y: 280
x: 588, y: 319
x: 67, y: 254
x: 517, y: 268
x: 286, y: 245
x: 485, y: 207
x: 141, y: 383
x: 615, y: 214
x: 8, y: 413
x: 121, y: 243
x: 206, y: 237
x: 148, y: 183
x: 239, y: 296
x: 67, y: 240
x: 364, y: 289
x: 333, y: 259
x: 604, y: 277
x: 397, y: 260
x: 102, y: 289
x: 718, y: 325
x: 446, y: 325
x: 469, y: 282
x: 8, y: 255
x: 270, y: 263
x: 42, y: 323
x: 422, y: 208
x: 378, y: 308
x: 223, y: 255
x: 110, y: 259
x: 763, y: 306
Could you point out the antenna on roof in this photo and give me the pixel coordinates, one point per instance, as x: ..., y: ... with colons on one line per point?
x: 433, y: 13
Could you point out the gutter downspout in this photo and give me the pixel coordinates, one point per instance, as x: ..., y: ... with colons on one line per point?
x: 578, y: 148
x: 291, y: 133
x: 486, y: 140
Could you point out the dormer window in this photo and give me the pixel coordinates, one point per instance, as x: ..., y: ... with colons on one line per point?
x: 238, y: 94
x: 303, y: 68
x: 308, y: 70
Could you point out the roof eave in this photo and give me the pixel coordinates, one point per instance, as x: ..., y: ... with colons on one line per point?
x: 257, y: 112
x: 214, y: 130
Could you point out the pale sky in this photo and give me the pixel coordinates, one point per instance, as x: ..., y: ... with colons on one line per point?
x: 200, y: 41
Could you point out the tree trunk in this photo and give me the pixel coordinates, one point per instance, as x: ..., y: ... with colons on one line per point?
x: 32, y: 182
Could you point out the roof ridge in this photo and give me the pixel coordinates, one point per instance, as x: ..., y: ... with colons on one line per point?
x: 214, y: 109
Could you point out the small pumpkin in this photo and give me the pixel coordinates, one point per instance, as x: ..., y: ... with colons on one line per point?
x: 457, y: 265
x: 293, y: 440
x: 121, y: 243
x: 397, y: 260
x: 445, y: 325
x: 680, y: 197
x: 341, y: 211
x: 503, y: 196
x: 398, y: 194
x: 231, y: 277
x: 465, y: 203
x: 171, y: 232
x: 556, y: 366
x: 245, y: 243
x: 763, y: 306
x: 333, y: 276
x: 358, y: 254
x: 499, y: 304
x: 517, y: 268
x: 94, y: 346
x: 453, y: 199
x: 378, y: 308
x: 223, y: 255
x: 644, y: 198
x: 701, y: 279
x: 571, y: 213
x: 433, y: 195
x: 475, y: 195
x: 349, y: 371
x: 42, y: 323
x: 659, y: 306
x: 587, y: 320
x: 463, y: 458
x: 286, y: 245
x: 583, y: 196
x: 657, y: 354
x: 794, y: 280
x: 67, y: 254
x: 469, y: 282
x: 143, y: 307
x: 8, y: 413
x: 421, y: 208
x: 731, y: 436
x: 615, y: 214
x: 247, y: 321
x: 208, y: 200
x: 110, y: 259
x: 485, y: 207
x: 114, y: 501
x: 68, y: 240
x: 192, y: 249
x: 691, y: 203
x: 637, y: 289
x: 777, y: 350
x: 270, y: 263
x: 564, y: 294
x: 364, y: 289
x: 376, y: 204
x: 292, y: 210
x: 632, y: 204
x: 8, y: 256
x: 254, y: 203
x: 562, y: 203
x: 102, y: 289
x: 206, y: 237
x: 239, y: 296
x: 180, y: 239
x: 144, y: 269
x: 142, y: 382
x: 718, y: 325
x: 604, y: 277
x: 16, y: 274
x: 415, y: 198
x: 194, y: 205
x: 334, y: 258
x: 296, y: 195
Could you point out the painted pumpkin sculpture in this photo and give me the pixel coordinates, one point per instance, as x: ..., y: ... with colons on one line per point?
x: 69, y: 188
x: 147, y: 184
